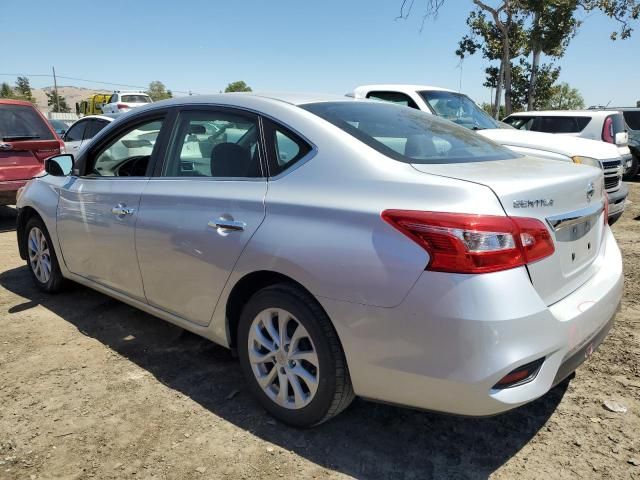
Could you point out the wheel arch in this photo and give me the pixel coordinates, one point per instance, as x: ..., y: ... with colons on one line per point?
x: 24, y: 215
x: 248, y: 286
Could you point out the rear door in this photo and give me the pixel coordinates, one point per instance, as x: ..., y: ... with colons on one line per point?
x: 26, y: 139
x: 199, y: 212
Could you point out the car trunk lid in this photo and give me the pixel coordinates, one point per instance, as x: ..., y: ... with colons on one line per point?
x: 23, y: 158
x: 567, y: 198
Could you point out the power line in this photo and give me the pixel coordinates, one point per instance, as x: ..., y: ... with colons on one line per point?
x: 83, y: 80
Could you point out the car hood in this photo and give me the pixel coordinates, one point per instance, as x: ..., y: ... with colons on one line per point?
x: 549, y: 142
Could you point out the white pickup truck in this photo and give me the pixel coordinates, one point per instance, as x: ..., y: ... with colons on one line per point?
x: 460, y: 109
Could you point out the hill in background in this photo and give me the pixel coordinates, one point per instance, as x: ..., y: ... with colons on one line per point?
x: 71, y: 95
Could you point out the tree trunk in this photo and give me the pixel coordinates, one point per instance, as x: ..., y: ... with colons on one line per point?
x: 507, y: 75
x: 533, y: 79
x: 498, y: 100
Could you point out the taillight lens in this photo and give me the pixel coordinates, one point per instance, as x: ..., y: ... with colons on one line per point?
x: 466, y: 243
x: 607, y: 130
x: 122, y: 106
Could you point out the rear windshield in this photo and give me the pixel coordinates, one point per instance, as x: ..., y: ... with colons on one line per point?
x: 409, y: 135
x: 632, y: 119
x: 459, y: 109
x: 20, y: 122
x: 136, y: 99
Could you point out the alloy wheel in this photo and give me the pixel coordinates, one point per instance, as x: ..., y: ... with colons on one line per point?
x: 39, y: 255
x: 283, y: 358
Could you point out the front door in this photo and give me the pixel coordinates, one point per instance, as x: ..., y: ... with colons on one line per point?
x: 98, y: 210
x: 196, y: 217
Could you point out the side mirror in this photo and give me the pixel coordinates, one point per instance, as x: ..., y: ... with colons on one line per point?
x: 59, y: 165
x: 621, y: 138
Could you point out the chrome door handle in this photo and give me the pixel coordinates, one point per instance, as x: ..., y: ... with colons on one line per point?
x: 227, y: 224
x: 122, y: 210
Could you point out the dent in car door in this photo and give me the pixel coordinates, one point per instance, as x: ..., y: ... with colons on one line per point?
x: 193, y: 225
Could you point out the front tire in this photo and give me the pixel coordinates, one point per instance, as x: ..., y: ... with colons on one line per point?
x: 41, y: 258
x: 633, y: 171
x: 291, y: 357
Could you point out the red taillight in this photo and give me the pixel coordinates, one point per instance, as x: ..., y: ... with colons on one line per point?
x: 466, y: 243
x: 122, y: 106
x: 607, y: 130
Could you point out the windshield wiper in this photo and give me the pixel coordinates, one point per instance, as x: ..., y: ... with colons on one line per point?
x: 14, y: 138
x: 476, y: 128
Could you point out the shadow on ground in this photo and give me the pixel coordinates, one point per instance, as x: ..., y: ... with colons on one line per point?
x: 8, y: 217
x: 367, y: 441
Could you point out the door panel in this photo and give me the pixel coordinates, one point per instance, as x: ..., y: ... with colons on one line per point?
x: 97, y: 241
x: 184, y: 258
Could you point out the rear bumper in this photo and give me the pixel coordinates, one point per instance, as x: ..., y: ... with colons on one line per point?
x: 455, y: 336
x: 8, y: 190
x: 617, y: 200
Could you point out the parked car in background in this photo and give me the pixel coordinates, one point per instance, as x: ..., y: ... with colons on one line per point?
x: 59, y: 126
x: 460, y: 109
x: 84, y: 130
x: 632, y: 120
x: 603, y: 125
x: 341, y: 247
x: 26, y: 139
x: 124, y: 101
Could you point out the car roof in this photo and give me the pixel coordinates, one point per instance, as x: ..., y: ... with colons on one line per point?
x: 561, y: 113
x: 11, y: 101
x: 401, y: 87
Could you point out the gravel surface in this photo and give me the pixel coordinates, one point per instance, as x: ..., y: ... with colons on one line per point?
x: 90, y: 387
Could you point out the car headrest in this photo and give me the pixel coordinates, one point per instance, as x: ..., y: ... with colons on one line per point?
x: 230, y: 160
x: 197, y: 130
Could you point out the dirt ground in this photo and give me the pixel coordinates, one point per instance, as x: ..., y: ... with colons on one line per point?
x: 90, y: 387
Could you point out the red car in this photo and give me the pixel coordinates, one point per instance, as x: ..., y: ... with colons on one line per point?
x: 26, y: 140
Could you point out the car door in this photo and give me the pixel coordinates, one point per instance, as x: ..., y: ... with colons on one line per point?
x: 199, y: 212
x: 97, y: 211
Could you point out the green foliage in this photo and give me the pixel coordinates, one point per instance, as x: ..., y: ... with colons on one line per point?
x: 563, y: 97
x: 239, y: 86
x: 6, y: 91
x: 487, y: 107
x: 23, y: 89
x: 54, y: 101
x: 623, y: 11
x: 157, y: 91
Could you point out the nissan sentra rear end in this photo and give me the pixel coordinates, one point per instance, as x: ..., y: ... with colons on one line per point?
x: 510, y: 301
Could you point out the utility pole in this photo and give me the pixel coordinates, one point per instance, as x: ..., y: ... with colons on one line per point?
x: 55, y: 88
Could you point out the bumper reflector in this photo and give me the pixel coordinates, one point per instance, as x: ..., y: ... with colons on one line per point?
x: 520, y: 375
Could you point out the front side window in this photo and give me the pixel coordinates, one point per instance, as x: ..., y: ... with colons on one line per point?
x: 128, y: 154
x: 113, y: 98
x: 214, y: 144
x: 459, y: 109
x: 20, y: 122
x: 76, y: 132
x: 408, y: 135
x: 521, y: 123
x: 393, y: 97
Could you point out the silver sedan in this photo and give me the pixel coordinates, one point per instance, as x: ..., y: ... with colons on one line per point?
x: 341, y: 247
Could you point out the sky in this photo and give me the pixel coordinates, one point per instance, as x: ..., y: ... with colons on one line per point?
x: 283, y: 45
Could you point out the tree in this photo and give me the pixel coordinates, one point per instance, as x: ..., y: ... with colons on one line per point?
x: 54, y: 100
x: 239, y: 86
x: 564, y: 97
x: 23, y: 89
x: 6, y: 91
x: 157, y: 91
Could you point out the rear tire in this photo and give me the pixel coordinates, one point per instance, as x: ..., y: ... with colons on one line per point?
x: 285, y: 338
x: 41, y: 257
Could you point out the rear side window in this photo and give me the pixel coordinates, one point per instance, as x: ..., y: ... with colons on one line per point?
x: 407, y: 135
x: 633, y: 119
x: 20, y: 122
x: 553, y: 124
x: 285, y: 147
x: 393, y: 97
x: 136, y: 99
x: 94, y: 127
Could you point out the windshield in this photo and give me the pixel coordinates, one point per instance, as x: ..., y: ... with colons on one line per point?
x: 459, y: 109
x: 20, y: 122
x: 408, y: 135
